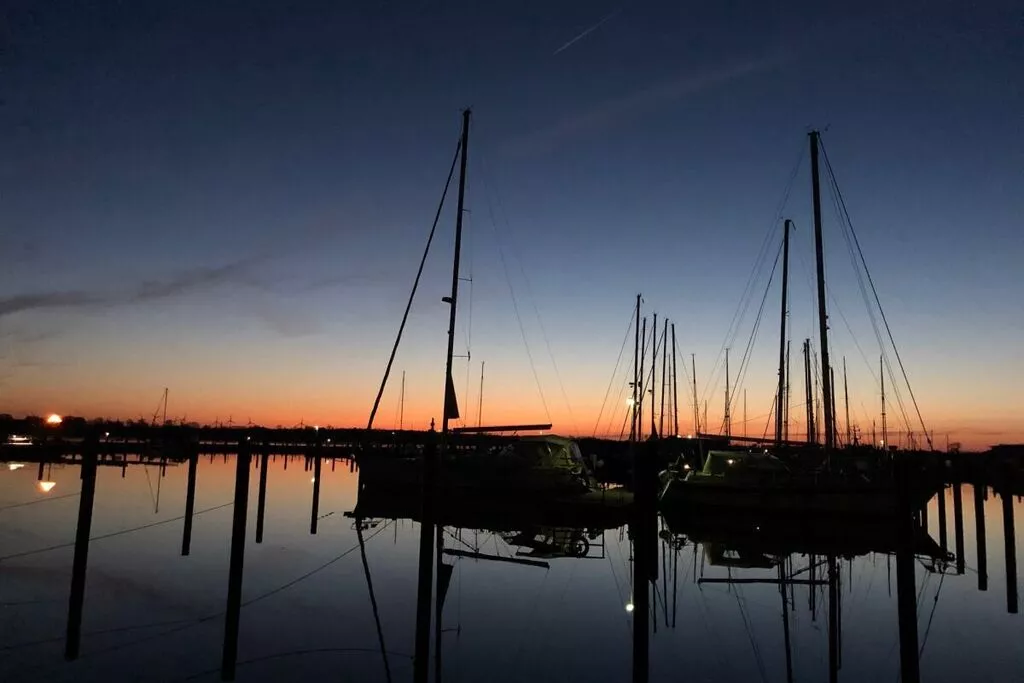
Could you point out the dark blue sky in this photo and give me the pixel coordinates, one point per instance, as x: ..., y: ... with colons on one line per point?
x: 222, y: 194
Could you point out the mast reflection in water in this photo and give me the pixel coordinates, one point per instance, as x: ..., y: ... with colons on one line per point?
x: 100, y: 590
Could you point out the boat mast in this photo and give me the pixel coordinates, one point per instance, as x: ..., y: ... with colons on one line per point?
x: 812, y: 433
x: 696, y: 406
x: 785, y: 424
x: 881, y: 374
x: 782, y: 334
x: 480, y: 401
x: 636, y: 370
x: 664, y: 368
x: 642, y: 390
x: 726, y: 420
x: 654, y: 371
x: 675, y: 385
x: 451, y: 408
x: 401, y: 404
x: 846, y: 400
x: 819, y: 253
x: 835, y: 430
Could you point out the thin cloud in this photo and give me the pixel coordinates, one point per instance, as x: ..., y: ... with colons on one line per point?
x: 586, y: 32
x: 147, y: 291
x: 612, y: 111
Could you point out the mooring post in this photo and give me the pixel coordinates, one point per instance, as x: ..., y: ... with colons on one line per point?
x: 958, y: 527
x: 1010, y: 542
x: 315, y: 512
x: 425, y: 575
x: 906, y: 584
x: 234, y: 602
x: 979, y: 533
x: 261, y: 500
x: 81, y: 557
x: 943, y: 540
x: 190, y: 498
x: 644, y: 530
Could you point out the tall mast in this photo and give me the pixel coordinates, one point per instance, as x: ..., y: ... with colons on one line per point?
x: 480, y: 401
x: 782, y: 334
x: 846, y: 401
x: 654, y: 370
x: 675, y: 386
x: 744, y: 411
x: 809, y: 393
x: 636, y: 370
x: 451, y: 408
x: 881, y: 374
x: 696, y: 406
x: 835, y: 430
x: 642, y: 390
x: 785, y: 424
x: 728, y: 426
x: 819, y: 253
x: 401, y: 404
x: 166, y: 391
x: 664, y: 368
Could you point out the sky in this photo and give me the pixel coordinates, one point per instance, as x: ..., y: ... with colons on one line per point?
x: 230, y: 200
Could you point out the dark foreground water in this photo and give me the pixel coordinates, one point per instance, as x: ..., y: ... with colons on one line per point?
x: 565, y: 614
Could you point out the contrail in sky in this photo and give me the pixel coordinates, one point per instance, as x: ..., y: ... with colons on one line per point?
x: 586, y: 32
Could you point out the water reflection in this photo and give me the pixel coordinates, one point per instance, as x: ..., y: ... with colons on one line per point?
x: 508, y: 593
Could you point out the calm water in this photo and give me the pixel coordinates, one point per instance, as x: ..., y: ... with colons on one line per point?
x: 150, y: 613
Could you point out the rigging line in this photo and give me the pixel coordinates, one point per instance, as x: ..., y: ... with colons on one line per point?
x: 113, y: 533
x: 734, y: 323
x: 860, y: 252
x: 745, y: 362
x: 625, y: 339
x: 529, y: 291
x: 210, y: 617
x: 39, y: 500
x: 515, y: 304
x: 415, y: 285
x: 846, y: 232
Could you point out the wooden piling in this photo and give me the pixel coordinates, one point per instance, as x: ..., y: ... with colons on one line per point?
x: 979, y: 533
x: 315, y: 512
x: 234, y: 603
x: 261, y: 501
x: 190, y: 501
x: 958, y: 527
x: 1010, y: 543
x: 81, y: 557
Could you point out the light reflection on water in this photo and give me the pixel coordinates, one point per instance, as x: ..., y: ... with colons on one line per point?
x: 152, y: 614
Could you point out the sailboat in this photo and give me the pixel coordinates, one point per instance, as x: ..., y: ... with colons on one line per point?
x: 509, y: 472
x: 806, y: 482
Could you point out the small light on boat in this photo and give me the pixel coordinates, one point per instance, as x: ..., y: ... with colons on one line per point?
x: 630, y: 401
x: 328, y: 440
x: 46, y: 486
x: 629, y: 607
x: 730, y: 461
x: 312, y: 480
x: 54, y: 419
x: 106, y: 435
x: 686, y: 467
x: 15, y: 466
x: 19, y: 440
x: 316, y: 428
x: 689, y: 436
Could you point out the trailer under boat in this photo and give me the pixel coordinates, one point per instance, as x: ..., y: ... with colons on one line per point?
x: 759, y: 484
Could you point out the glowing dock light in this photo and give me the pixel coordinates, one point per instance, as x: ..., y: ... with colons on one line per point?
x: 45, y: 486
x: 15, y: 466
x: 629, y: 607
